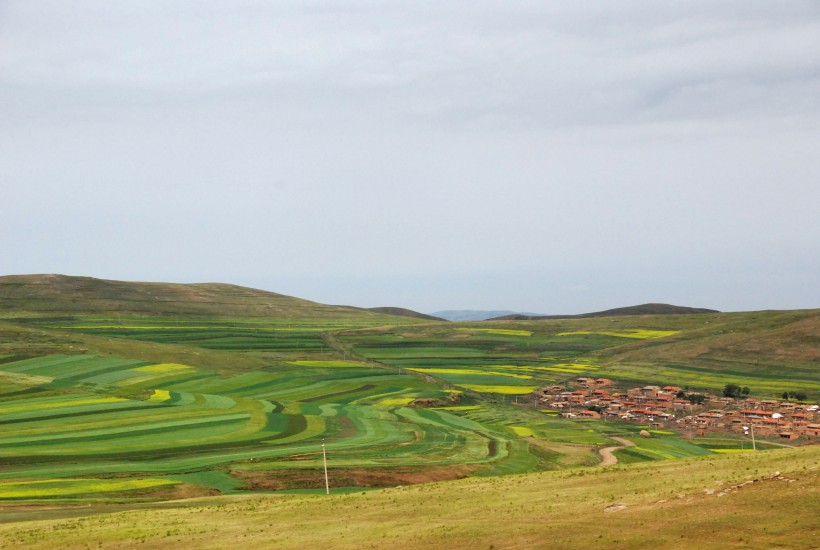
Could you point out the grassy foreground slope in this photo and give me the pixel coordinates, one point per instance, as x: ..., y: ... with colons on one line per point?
x: 708, y: 502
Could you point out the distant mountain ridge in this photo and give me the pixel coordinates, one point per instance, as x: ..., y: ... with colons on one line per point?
x: 643, y: 309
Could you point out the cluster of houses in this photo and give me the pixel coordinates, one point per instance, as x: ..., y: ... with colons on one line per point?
x: 766, y: 418
x: 668, y: 406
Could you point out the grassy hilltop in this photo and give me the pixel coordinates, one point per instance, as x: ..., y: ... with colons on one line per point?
x: 116, y: 394
x: 44, y: 295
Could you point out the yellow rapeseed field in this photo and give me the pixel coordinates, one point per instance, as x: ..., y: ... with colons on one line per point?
x: 631, y: 333
x: 501, y: 331
x: 327, y: 364
x: 160, y: 395
x: 508, y: 390
x: 396, y: 401
x: 162, y: 367
x: 471, y: 372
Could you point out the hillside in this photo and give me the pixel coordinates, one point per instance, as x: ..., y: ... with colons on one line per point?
x: 61, y: 294
x: 644, y: 309
x: 403, y: 312
x: 753, y: 341
x: 769, y: 351
x: 195, y: 324
x: 709, y: 502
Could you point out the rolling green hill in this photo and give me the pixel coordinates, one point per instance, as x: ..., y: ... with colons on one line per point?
x: 61, y: 294
x: 195, y: 324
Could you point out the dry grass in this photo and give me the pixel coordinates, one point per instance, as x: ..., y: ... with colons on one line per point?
x: 758, y: 337
x: 664, y: 506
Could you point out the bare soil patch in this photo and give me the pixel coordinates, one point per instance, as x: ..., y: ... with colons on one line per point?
x: 183, y: 491
x: 279, y: 480
x: 608, y: 457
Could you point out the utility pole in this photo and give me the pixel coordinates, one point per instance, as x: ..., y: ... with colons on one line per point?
x: 751, y: 428
x: 754, y: 446
x: 324, y: 461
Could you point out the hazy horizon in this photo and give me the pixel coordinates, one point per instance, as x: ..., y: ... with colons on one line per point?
x: 547, y: 156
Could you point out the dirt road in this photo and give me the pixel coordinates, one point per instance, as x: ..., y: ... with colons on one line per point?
x: 608, y: 457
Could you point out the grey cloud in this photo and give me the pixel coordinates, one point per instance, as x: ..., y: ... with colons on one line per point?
x: 348, y: 150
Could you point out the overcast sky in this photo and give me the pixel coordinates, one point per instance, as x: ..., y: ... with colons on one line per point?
x: 543, y: 155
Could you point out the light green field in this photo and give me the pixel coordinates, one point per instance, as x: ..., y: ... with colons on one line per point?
x: 75, y: 488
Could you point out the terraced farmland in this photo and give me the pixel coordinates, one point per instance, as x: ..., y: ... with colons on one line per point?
x: 83, y: 416
x: 89, y: 416
x: 488, y: 361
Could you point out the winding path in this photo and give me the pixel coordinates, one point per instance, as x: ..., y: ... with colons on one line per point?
x: 608, y: 457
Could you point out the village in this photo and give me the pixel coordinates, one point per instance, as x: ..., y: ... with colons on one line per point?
x: 694, y: 413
